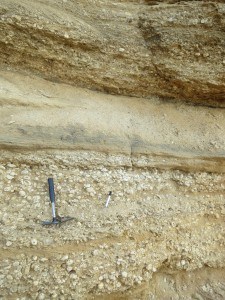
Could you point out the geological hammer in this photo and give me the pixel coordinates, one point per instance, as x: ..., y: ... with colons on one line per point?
x: 55, y: 218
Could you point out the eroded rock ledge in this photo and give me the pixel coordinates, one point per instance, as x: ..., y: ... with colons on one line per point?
x: 172, y: 50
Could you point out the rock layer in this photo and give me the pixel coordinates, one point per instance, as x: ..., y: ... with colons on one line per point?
x: 151, y: 133
x: 173, y: 50
x: 162, y: 233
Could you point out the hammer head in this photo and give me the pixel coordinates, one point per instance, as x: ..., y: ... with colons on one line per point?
x: 57, y: 220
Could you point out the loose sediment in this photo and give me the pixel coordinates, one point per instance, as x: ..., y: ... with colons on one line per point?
x: 161, y: 225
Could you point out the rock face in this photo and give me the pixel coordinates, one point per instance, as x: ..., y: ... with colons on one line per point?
x: 171, y: 49
x: 162, y: 235
x: 38, y: 114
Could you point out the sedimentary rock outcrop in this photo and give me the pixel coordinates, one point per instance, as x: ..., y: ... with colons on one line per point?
x: 172, y: 49
x: 121, y: 96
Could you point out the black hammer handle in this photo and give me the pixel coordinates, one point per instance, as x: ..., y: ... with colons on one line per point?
x: 51, y: 190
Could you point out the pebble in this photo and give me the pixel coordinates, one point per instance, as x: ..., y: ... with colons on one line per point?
x: 112, y: 262
x: 11, y: 165
x: 204, y: 21
x: 65, y: 257
x: 183, y: 262
x: 24, y: 172
x: 69, y: 262
x: 124, y: 274
x: 11, y: 122
x: 9, y: 277
x: 18, y: 18
x: 69, y: 269
x: 22, y: 193
x: 44, y: 259
x: 48, y: 241
x: 101, y: 286
x: 8, y: 243
x: 95, y: 252
x: 41, y: 296
x: 34, y: 242
x: 74, y: 276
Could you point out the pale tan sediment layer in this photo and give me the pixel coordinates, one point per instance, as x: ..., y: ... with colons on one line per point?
x: 37, y: 114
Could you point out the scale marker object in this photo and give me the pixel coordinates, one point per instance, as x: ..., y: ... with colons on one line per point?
x: 108, y: 199
x: 55, y: 218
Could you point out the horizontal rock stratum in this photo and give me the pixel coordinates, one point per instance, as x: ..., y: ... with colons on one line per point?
x: 171, y: 49
x: 37, y: 114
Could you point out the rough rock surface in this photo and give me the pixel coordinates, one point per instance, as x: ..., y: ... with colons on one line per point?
x: 163, y: 234
x: 172, y: 49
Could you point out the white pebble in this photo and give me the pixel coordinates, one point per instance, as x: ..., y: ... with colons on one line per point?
x: 34, y: 242
x: 22, y: 193
x: 41, y: 296
x: 11, y: 165
x: 65, y: 257
x: 69, y: 262
x: 101, y: 286
x: 24, y: 172
x: 183, y: 262
x: 95, y: 252
x: 7, y: 189
x: 69, y: 269
x: 124, y: 274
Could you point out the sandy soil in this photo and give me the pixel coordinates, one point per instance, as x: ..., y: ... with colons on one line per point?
x: 39, y: 114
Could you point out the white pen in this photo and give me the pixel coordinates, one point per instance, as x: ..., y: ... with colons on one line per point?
x: 108, y: 199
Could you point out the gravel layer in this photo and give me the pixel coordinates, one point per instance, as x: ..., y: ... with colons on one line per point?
x: 156, y: 221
